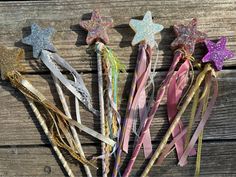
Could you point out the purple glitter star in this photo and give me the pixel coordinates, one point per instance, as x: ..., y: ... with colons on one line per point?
x: 217, y: 53
x: 187, y: 36
x: 96, y: 27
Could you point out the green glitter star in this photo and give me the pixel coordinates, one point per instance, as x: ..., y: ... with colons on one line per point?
x: 145, y: 29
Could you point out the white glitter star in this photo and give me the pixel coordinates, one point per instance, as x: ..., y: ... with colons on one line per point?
x: 145, y: 29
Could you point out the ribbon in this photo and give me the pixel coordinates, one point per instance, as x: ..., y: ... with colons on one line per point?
x: 60, y: 136
x: 112, y: 67
x: 205, y: 117
x: 112, y: 120
x: 137, y: 99
x: 175, y: 90
x: 144, y: 52
x: 151, y: 87
x: 50, y: 138
x: 178, y: 116
x: 185, y: 132
x: 201, y: 109
x: 159, y: 97
x: 168, y: 148
x: 32, y: 93
x: 68, y: 114
x: 204, y: 98
x: 77, y: 88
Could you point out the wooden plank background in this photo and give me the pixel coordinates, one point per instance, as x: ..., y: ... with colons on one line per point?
x: 24, y: 149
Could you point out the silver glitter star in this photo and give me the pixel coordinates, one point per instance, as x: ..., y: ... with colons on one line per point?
x: 39, y: 39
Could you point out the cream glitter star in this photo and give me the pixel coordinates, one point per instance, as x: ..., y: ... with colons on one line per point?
x: 145, y: 29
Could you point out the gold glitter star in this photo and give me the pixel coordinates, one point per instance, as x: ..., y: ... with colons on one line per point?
x: 10, y: 60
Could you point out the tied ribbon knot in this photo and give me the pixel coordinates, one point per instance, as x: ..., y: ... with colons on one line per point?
x: 185, y: 55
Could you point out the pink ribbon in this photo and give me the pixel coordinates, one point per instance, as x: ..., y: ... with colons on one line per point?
x: 147, y: 143
x: 183, y: 159
x: 155, y: 106
x: 175, y: 90
x: 137, y: 100
x: 169, y: 146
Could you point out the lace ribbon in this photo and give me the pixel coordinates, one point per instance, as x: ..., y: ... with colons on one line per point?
x: 52, y: 60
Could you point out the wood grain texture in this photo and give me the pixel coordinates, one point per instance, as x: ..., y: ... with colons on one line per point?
x: 18, y: 125
x: 216, y: 18
x: 24, y: 150
x: 41, y: 162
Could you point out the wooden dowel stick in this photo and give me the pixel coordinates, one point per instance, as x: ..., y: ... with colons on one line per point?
x: 48, y: 134
x: 101, y: 102
x: 175, y: 122
x: 73, y: 130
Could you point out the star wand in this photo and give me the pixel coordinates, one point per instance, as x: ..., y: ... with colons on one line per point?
x: 57, y: 132
x: 187, y: 37
x: 214, y: 62
x: 40, y: 41
x: 107, y: 60
x: 145, y: 35
x: 184, y: 45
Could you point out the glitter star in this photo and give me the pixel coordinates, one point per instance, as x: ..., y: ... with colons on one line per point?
x: 145, y: 29
x: 217, y: 53
x: 187, y: 36
x: 39, y: 39
x: 97, y: 28
x: 10, y: 60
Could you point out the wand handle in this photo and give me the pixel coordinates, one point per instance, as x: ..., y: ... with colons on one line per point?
x: 48, y: 134
x: 101, y: 101
x: 161, y: 146
x: 73, y: 130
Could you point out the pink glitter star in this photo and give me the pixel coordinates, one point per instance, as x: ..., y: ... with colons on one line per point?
x: 217, y: 53
x: 97, y: 28
x: 187, y: 36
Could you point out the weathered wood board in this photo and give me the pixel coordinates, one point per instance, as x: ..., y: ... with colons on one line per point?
x: 19, y: 127
x: 24, y: 149
x: 41, y: 161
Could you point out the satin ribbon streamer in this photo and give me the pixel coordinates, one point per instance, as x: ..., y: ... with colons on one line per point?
x: 144, y: 54
x: 200, y: 126
x: 159, y: 97
x: 137, y: 99
x: 175, y: 90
